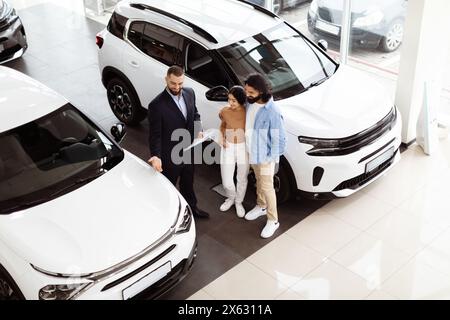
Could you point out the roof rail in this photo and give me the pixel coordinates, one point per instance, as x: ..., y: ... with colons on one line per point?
x: 259, y: 8
x: 205, y: 34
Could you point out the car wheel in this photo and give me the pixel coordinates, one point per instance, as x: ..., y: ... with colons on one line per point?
x: 8, y: 289
x: 282, y: 185
x: 124, y: 102
x: 393, y: 38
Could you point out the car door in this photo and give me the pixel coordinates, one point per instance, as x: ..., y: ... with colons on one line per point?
x: 152, y: 50
x: 203, y: 72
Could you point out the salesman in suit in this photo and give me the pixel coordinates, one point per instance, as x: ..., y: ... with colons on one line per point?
x: 174, y: 108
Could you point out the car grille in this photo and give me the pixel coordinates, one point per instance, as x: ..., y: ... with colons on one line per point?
x: 145, y: 266
x: 364, y: 178
x: 360, y: 140
x: 4, y: 24
x: 8, y: 53
x: 333, y: 16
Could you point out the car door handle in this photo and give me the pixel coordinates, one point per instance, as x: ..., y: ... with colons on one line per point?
x: 134, y: 64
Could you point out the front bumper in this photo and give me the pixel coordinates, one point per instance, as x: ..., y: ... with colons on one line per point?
x: 13, y: 41
x: 369, y: 38
x: 345, y: 174
x: 178, y: 253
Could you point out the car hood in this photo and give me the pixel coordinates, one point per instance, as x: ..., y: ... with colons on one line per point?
x: 358, y: 7
x: 346, y: 104
x: 102, y: 223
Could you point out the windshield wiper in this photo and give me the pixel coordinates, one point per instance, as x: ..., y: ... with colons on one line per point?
x: 315, y: 83
x: 33, y: 203
x: 24, y: 205
x: 77, y: 182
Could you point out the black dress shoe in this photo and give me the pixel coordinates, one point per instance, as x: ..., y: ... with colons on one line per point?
x: 200, y: 213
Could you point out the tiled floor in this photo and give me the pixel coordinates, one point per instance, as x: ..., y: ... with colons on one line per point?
x: 390, y: 241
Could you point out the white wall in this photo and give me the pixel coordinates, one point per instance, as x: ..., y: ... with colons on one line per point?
x: 424, y: 50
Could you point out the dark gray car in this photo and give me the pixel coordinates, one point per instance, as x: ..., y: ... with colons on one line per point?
x: 375, y: 23
x: 13, y: 41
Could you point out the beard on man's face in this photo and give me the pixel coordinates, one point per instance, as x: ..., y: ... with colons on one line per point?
x: 252, y: 100
x: 175, y: 93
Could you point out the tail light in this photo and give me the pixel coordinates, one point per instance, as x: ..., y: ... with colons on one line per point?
x: 99, y: 41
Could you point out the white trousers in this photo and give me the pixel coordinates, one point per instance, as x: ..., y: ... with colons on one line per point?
x: 232, y: 155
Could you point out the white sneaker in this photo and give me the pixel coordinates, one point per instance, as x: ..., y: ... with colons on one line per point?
x: 227, y: 204
x: 269, y: 229
x: 255, y: 213
x: 240, y: 211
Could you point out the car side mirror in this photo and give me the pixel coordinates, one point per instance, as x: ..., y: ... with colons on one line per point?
x: 323, y: 44
x: 219, y: 93
x: 118, y: 131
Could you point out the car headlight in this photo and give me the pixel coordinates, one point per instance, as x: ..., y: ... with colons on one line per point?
x: 184, y: 219
x: 369, y: 19
x: 61, y: 291
x: 313, y: 8
x: 320, y: 143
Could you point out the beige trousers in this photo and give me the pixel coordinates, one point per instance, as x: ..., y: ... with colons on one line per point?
x: 265, y: 192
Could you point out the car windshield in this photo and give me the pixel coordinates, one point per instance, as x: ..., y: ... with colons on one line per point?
x: 290, y: 62
x: 50, y: 156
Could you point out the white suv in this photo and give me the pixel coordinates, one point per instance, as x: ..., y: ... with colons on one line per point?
x: 80, y: 218
x: 343, y: 129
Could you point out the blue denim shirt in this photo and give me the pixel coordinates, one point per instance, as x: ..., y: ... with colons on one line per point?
x: 269, y: 139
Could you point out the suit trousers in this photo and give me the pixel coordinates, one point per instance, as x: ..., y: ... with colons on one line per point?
x: 183, y: 173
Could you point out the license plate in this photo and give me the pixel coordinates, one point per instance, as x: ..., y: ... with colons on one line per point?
x: 372, y: 165
x: 146, y: 281
x: 327, y: 27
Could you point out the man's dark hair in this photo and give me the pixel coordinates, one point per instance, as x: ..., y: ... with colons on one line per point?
x: 239, y: 94
x: 258, y: 82
x: 175, y: 70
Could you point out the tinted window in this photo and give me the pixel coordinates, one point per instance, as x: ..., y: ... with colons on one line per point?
x: 287, y: 59
x: 160, y: 44
x: 201, y: 66
x: 116, y: 25
x: 50, y: 156
x: 135, y: 33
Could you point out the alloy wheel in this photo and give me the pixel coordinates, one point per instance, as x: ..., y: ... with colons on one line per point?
x: 120, y: 102
x: 394, y: 36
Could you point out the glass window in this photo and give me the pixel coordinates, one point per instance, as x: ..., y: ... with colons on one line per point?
x: 203, y: 68
x: 50, y: 156
x: 161, y: 44
x: 117, y: 24
x: 289, y: 61
x: 135, y: 33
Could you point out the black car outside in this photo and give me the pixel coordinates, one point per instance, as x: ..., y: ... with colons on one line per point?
x: 374, y: 23
x: 13, y: 40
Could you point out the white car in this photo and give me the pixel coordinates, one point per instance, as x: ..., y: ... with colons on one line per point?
x: 343, y: 128
x: 80, y: 218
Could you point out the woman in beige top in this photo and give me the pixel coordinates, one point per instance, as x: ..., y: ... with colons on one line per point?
x: 233, y: 151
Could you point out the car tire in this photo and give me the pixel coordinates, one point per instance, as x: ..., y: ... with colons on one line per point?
x: 8, y: 288
x: 124, y: 102
x: 393, y: 38
x: 282, y: 185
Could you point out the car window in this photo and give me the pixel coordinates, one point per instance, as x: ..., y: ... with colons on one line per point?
x: 135, y: 33
x: 286, y: 58
x: 160, y: 44
x: 201, y: 66
x: 48, y: 154
x: 116, y: 25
